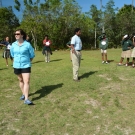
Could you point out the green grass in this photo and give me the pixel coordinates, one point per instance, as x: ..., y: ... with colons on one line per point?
x: 103, y: 103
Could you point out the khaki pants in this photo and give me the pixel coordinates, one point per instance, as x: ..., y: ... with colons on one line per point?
x: 76, y: 60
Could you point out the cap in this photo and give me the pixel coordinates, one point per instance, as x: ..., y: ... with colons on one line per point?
x: 125, y: 36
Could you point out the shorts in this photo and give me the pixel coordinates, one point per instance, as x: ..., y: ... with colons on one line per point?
x: 18, y: 71
x: 6, y: 54
x: 103, y: 51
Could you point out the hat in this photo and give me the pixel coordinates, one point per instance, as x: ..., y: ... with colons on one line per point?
x: 125, y: 36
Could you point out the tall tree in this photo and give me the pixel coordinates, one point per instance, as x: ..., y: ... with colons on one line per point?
x: 8, y: 22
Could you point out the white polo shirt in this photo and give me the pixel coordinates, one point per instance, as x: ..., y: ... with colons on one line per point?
x: 76, y: 42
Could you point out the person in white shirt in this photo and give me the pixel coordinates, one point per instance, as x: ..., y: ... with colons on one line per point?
x: 76, y: 46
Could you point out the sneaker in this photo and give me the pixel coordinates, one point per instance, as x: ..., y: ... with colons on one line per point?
x: 76, y: 80
x: 106, y: 62
x: 120, y: 64
x: 133, y: 66
x: 28, y: 102
x: 102, y: 62
x: 126, y: 65
x: 22, y: 97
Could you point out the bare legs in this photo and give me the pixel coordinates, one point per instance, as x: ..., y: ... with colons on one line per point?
x: 7, y: 61
x: 133, y: 62
x: 104, y: 57
x: 24, y: 80
x: 121, y: 60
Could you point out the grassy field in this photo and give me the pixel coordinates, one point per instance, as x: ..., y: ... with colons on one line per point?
x: 103, y: 103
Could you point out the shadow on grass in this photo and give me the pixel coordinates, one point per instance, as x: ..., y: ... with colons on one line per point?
x: 3, y: 68
x: 56, y: 60
x: 44, y: 91
x: 86, y: 75
x: 38, y: 61
x: 110, y: 61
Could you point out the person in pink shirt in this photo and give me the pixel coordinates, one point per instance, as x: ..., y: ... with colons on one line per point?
x: 46, y: 49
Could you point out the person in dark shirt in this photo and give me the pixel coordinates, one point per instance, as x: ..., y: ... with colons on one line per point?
x: 69, y: 46
x: 127, y: 45
x: 6, y: 53
x: 103, y: 45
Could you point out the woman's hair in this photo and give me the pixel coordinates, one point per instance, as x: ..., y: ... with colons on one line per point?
x: 46, y: 36
x: 22, y: 33
x: 6, y: 37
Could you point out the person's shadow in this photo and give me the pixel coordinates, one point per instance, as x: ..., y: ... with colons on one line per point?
x: 86, y: 75
x: 110, y: 61
x: 44, y: 91
x: 38, y: 62
x: 56, y: 60
x: 3, y: 68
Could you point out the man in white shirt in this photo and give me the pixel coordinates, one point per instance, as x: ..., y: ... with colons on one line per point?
x: 76, y: 46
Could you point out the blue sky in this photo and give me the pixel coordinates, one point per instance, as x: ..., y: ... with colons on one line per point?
x: 85, y: 4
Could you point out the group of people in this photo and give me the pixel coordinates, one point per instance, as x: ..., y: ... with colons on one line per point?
x: 75, y: 46
x: 22, y: 53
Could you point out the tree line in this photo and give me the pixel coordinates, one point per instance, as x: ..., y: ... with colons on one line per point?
x: 59, y: 18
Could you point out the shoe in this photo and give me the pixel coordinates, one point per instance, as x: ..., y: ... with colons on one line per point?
x: 106, y: 62
x: 102, y: 62
x: 76, y: 80
x: 28, y: 102
x: 120, y: 64
x: 133, y: 66
x: 126, y: 65
x: 7, y: 65
x: 22, y: 97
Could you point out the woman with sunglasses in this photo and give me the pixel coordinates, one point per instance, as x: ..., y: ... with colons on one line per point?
x: 22, y: 53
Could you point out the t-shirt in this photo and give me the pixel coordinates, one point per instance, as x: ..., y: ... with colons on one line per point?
x: 46, y: 42
x: 76, y: 42
x: 126, y: 44
x: 8, y: 45
x: 103, y: 43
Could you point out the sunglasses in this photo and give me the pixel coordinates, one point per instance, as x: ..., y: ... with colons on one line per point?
x: 17, y: 34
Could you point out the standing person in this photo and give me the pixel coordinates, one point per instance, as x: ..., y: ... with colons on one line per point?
x: 6, y: 53
x: 76, y: 45
x: 22, y: 53
x: 46, y: 49
x: 133, y: 53
x: 28, y: 39
x: 69, y: 46
x: 127, y: 45
x: 103, y: 45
